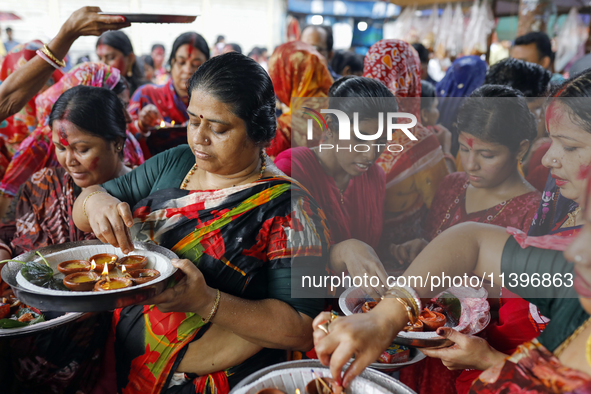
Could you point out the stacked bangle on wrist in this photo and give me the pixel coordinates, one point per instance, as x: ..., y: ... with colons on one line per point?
x: 409, y: 299
x: 46, y: 54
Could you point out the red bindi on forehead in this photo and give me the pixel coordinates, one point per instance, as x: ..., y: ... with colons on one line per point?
x: 63, y: 137
x: 470, y: 142
x: 553, y: 114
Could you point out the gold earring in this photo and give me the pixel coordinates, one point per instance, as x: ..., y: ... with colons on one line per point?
x: 129, y: 71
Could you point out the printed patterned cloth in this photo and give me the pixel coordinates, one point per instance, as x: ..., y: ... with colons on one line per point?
x: 298, y: 71
x: 237, y: 237
x: 413, y: 175
x: 41, y: 214
x: 531, y: 369
x: 37, y: 150
x: 17, y: 127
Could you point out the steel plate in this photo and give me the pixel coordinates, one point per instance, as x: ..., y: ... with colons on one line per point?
x: 62, y: 301
x: 153, y: 18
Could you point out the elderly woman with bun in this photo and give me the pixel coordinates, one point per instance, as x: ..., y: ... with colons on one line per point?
x: 238, y: 225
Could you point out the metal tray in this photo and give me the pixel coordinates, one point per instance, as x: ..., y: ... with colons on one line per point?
x: 379, y: 380
x: 351, y: 300
x: 88, y: 301
x: 415, y: 357
x: 153, y: 18
x: 52, y: 320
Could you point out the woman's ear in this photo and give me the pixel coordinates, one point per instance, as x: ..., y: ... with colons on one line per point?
x: 423, y: 116
x: 330, y: 124
x: 346, y: 71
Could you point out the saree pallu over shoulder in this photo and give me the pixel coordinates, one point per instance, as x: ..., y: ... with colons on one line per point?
x: 237, y: 237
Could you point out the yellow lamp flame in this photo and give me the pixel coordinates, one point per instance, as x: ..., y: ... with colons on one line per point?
x: 162, y: 124
x: 92, y: 265
x: 105, y: 272
x: 172, y: 123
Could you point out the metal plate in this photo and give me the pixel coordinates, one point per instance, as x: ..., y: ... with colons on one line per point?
x: 353, y: 298
x: 415, y: 357
x: 153, y: 18
x: 52, y: 320
x: 62, y: 301
x: 387, y: 383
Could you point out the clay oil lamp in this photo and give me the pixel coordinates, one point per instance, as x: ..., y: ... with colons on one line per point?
x: 73, y: 266
x: 432, y: 320
x: 142, y: 276
x: 106, y: 283
x: 132, y: 263
x: 103, y: 259
x: 323, y: 386
x: 81, y: 281
x: 270, y: 391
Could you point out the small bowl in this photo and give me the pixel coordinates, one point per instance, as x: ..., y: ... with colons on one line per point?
x: 73, y: 266
x: 117, y: 283
x: 139, y: 277
x: 134, y: 262
x: 81, y: 281
x: 270, y: 391
x: 101, y: 259
x: 312, y: 387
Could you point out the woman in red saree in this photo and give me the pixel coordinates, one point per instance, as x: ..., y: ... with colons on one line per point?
x: 37, y: 151
x: 150, y: 104
x: 298, y: 71
x: 413, y: 175
x: 339, y: 180
x: 495, y: 131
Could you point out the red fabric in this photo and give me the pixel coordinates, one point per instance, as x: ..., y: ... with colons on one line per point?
x: 360, y: 216
x: 537, y: 173
x: 517, y: 213
x: 514, y: 326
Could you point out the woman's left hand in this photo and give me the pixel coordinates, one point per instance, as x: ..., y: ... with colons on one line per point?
x: 467, y: 352
x: 190, y: 294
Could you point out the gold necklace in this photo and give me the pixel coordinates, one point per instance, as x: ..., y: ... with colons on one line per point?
x: 571, y: 221
x: 263, y: 158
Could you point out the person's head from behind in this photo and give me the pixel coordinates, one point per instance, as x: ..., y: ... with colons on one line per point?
x: 9, y: 33
x: 320, y: 37
x: 232, y: 48
x: 114, y: 49
x: 568, y: 121
x: 157, y: 55
x: 367, y: 98
x: 531, y: 79
x: 429, y: 103
x: 496, y: 129
x: 148, y: 64
x: 220, y: 40
x: 534, y: 47
x: 424, y: 56
x: 347, y: 63
x: 189, y: 52
x: 231, y: 113
x: 88, y: 130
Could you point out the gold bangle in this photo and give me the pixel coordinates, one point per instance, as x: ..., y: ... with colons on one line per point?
x: 214, y: 309
x: 50, y: 55
x: 86, y: 199
x: 409, y: 310
x: 401, y: 292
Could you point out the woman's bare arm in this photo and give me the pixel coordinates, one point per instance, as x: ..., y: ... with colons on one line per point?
x: 24, y: 83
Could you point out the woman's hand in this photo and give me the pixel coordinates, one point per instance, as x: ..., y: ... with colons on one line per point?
x: 364, y: 336
x: 190, y: 294
x: 408, y: 251
x: 360, y: 260
x: 149, y: 117
x: 468, y: 351
x: 110, y: 220
x: 87, y: 22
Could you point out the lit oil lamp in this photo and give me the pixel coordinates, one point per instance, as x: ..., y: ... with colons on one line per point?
x: 142, y: 276
x: 73, y: 266
x: 172, y: 124
x: 134, y: 262
x: 162, y: 124
x: 81, y: 281
x: 106, y: 283
x: 104, y: 259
